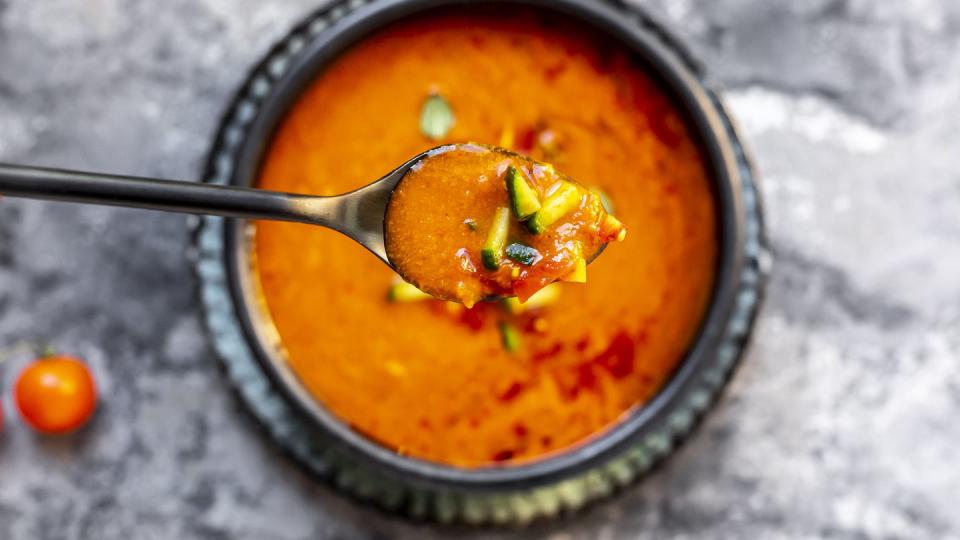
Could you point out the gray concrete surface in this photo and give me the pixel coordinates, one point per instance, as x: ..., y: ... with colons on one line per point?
x: 841, y: 424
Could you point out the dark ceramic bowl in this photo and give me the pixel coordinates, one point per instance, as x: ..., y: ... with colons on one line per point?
x: 248, y: 345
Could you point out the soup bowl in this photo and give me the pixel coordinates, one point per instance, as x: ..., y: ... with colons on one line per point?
x: 249, y: 345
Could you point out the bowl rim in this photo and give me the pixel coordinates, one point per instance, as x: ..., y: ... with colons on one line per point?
x: 687, y: 91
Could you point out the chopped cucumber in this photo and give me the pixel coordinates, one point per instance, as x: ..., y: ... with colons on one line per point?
x: 579, y: 272
x: 492, y: 252
x: 510, y: 337
x: 563, y: 200
x: 523, y: 198
x: 612, y: 229
x: 605, y: 199
x: 546, y: 296
x: 406, y: 292
x: 523, y: 254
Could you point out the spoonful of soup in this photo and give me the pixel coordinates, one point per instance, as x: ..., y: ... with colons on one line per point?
x: 461, y: 222
x: 470, y: 222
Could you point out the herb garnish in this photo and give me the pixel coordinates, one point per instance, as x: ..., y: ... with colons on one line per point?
x: 436, y: 117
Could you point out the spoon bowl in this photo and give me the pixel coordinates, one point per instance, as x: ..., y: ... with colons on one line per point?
x: 471, y: 222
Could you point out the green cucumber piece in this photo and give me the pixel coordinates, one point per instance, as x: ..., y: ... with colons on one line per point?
x: 492, y: 252
x: 545, y: 297
x: 579, y: 272
x: 605, y: 199
x: 406, y: 292
x: 523, y: 254
x: 510, y: 337
x: 557, y: 205
x: 523, y: 198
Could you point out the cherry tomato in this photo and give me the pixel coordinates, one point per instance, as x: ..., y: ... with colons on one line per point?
x: 56, y: 394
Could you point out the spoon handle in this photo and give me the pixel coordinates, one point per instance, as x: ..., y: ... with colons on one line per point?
x: 153, y: 194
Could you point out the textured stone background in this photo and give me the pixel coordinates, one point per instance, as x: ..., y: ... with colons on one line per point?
x: 842, y: 423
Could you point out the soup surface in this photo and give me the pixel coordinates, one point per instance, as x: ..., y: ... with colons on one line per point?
x: 469, y: 222
x: 499, y: 383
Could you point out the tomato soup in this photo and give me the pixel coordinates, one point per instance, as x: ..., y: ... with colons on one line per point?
x: 502, y: 382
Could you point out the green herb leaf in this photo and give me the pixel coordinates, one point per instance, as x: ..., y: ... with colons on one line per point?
x: 523, y: 254
x: 436, y: 118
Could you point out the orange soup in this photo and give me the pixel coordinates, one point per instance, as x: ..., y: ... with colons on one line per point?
x: 503, y: 382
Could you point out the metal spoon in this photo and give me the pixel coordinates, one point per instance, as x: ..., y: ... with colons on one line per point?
x: 358, y: 214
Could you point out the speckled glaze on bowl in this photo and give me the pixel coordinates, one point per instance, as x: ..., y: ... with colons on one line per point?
x: 247, y: 343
